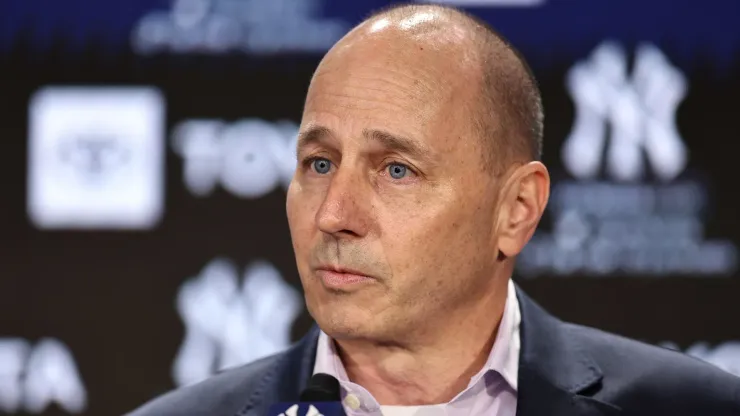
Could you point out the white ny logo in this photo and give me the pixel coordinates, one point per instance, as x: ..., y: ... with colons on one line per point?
x: 640, y: 109
x: 293, y: 411
x: 228, y: 323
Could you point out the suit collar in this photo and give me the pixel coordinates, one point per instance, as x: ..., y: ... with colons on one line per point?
x: 299, y: 363
x: 557, y: 376
x: 286, y: 379
x: 549, y: 351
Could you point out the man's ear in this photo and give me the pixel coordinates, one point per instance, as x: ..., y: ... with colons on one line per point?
x: 523, y: 201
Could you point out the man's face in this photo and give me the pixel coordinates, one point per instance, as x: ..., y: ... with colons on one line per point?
x: 391, y: 211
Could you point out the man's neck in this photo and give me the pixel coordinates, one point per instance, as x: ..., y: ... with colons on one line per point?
x: 434, y: 370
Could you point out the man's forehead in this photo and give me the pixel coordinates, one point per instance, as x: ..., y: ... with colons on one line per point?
x: 405, y: 71
x: 365, y: 108
x: 380, y: 84
x: 376, y: 89
x: 388, y: 75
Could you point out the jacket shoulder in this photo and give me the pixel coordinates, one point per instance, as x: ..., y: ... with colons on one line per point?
x: 645, y: 378
x: 225, y: 393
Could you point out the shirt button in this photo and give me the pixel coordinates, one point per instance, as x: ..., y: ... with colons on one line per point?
x: 352, y: 401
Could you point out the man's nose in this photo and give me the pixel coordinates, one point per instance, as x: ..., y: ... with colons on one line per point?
x: 345, y: 210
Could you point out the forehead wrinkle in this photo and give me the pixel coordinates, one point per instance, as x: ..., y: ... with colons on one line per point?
x: 375, y: 82
x: 421, y: 110
x: 386, y: 92
x: 353, y: 102
x: 398, y: 143
x: 419, y: 97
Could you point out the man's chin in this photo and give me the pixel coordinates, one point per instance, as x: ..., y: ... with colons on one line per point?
x: 343, y: 316
x: 342, y: 326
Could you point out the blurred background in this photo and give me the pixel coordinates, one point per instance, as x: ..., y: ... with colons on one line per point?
x: 147, y: 145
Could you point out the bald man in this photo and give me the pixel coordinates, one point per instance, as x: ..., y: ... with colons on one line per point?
x: 418, y: 183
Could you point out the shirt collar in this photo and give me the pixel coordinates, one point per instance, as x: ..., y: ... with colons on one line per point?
x: 503, y: 358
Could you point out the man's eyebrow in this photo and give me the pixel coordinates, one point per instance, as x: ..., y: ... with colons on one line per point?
x: 399, y: 144
x: 313, y: 134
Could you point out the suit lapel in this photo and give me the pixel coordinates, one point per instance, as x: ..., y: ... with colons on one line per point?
x: 555, y: 373
x: 288, y: 378
x: 539, y: 397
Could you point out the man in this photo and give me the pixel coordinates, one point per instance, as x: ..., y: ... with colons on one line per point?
x: 417, y: 185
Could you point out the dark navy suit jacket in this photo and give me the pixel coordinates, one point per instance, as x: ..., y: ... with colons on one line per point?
x: 564, y: 370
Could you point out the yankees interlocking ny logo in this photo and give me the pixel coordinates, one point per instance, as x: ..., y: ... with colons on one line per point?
x: 640, y: 110
x: 228, y: 323
x: 293, y: 411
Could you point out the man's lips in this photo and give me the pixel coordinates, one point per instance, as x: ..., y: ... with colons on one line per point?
x: 340, y: 277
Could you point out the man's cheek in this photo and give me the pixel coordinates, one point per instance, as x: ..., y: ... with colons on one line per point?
x: 302, y: 214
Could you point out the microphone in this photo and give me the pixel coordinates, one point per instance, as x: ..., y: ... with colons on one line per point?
x: 322, y: 397
x: 321, y: 388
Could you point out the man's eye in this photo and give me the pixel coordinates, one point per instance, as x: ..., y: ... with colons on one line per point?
x: 321, y: 165
x: 397, y: 170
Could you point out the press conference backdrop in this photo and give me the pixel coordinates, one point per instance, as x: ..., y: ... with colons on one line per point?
x: 147, y: 146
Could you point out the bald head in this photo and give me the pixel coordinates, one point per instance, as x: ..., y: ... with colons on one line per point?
x: 506, y: 107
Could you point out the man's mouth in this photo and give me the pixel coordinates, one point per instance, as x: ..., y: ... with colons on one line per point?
x: 336, y: 277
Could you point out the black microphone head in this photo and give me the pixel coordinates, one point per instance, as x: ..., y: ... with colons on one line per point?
x: 322, y: 388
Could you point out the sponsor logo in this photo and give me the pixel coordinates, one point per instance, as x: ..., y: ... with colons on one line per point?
x: 249, y: 158
x: 96, y: 158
